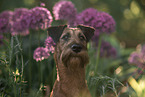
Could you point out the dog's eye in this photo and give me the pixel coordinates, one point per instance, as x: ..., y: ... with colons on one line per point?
x: 66, y: 37
x: 82, y: 37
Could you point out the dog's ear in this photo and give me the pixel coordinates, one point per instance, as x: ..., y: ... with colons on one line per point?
x: 87, y: 30
x: 55, y: 32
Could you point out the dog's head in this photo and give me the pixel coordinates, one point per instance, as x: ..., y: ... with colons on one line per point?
x: 71, y: 48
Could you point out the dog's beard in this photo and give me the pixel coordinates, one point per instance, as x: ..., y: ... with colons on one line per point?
x: 74, y: 63
x: 72, y: 60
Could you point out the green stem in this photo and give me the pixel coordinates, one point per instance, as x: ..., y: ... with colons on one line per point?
x: 11, y: 50
x: 22, y: 67
x: 98, y: 57
x: 40, y: 65
x: 39, y: 37
x: 10, y: 62
x: 41, y: 71
x: 98, y: 52
x: 54, y: 73
x: 39, y: 68
x: 20, y: 49
x: 10, y: 58
x: 15, y: 90
x: 21, y: 74
x: 30, y: 46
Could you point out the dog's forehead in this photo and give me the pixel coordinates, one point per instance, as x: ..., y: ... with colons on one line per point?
x: 72, y: 30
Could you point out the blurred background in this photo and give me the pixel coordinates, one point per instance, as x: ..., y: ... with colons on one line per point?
x: 110, y: 77
x: 128, y: 14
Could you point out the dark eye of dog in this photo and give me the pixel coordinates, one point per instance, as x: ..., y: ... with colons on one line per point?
x: 82, y: 37
x: 66, y: 37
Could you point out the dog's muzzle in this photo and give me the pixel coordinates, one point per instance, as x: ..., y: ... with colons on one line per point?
x: 76, y: 48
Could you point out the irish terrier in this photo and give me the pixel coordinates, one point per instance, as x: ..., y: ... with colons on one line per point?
x: 71, y: 58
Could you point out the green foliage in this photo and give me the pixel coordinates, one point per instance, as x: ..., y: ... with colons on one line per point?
x: 104, y: 84
x: 12, y: 81
x: 22, y: 76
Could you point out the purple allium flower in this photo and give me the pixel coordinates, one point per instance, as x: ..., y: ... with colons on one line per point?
x: 40, y: 18
x: 143, y: 49
x: 5, y: 21
x: 64, y: 10
x: 107, y: 50
x: 106, y: 23
x: 21, y: 21
x: 41, y: 53
x: 86, y: 17
x: 138, y: 58
x: 6, y: 14
x: 101, y: 21
x: 42, y: 4
x: 19, y: 12
x: 49, y: 44
x: 135, y: 58
x: 20, y: 28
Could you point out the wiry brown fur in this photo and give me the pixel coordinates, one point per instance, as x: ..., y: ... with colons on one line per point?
x: 71, y: 66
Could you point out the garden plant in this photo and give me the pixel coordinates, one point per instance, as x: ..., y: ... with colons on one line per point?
x: 27, y: 67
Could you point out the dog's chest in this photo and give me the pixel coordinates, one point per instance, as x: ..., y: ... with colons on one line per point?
x: 73, y: 87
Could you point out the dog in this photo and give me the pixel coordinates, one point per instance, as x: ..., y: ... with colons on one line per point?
x: 71, y: 58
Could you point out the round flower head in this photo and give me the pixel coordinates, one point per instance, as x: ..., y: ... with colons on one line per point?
x: 41, y: 53
x: 64, y: 10
x: 101, y: 21
x: 19, y: 12
x: 143, y: 50
x: 21, y: 21
x: 107, y: 50
x: 105, y: 23
x: 6, y: 21
x: 138, y: 59
x: 42, y: 4
x: 40, y: 18
x: 49, y: 44
x: 134, y: 58
x: 20, y: 28
x: 6, y: 14
x: 86, y: 17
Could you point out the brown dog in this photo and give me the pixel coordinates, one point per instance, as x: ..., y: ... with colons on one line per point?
x: 71, y: 57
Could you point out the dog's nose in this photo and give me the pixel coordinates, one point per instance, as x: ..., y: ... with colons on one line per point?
x: 76, y: 48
